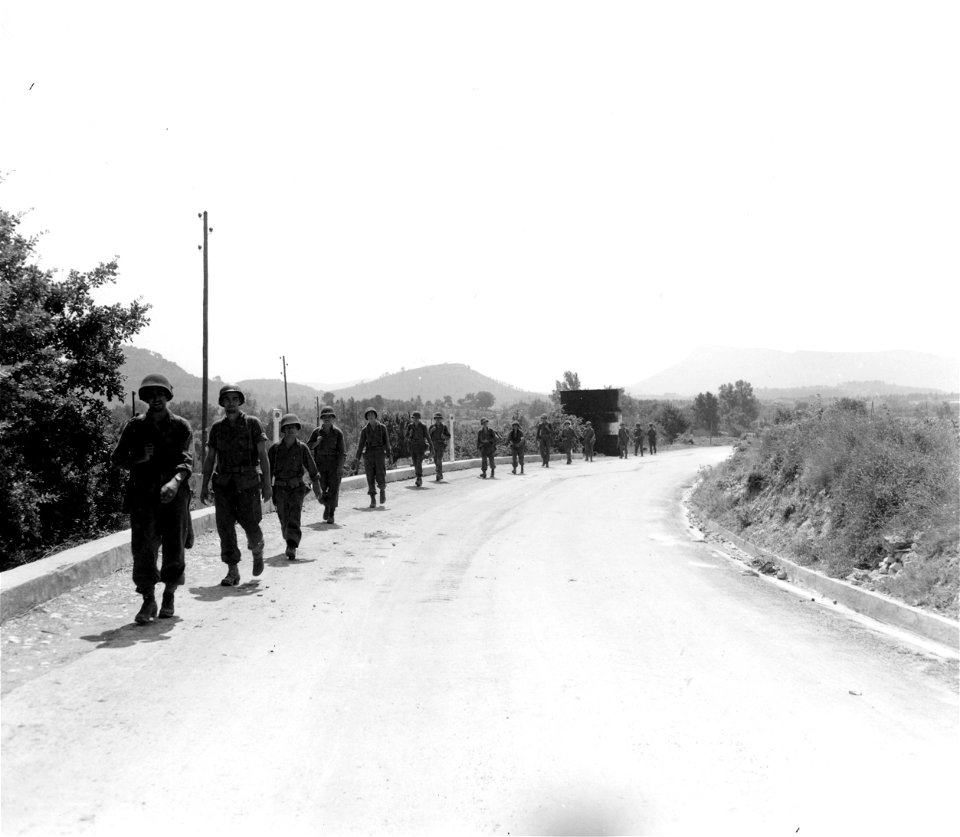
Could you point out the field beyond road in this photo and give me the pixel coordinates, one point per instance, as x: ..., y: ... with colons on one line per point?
x: 547, y: 654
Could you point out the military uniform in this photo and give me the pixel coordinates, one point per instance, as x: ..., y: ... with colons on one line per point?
x: 652, y: 438
x: 568, y: 438
x: 236, y: 484
x: 623, y: 442
x: 487, y: 439
x: 517, y: 444
x: 155, y: 525
x: 418, y: 439
x: 373, y: 449
x: 287, y: 464
x: 329, y: 454
x: 589, y: 438
x: 439, y: 436
x: 638, y: 439
x: 544, y: 441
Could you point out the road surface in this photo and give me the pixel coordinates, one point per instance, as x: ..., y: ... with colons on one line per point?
x: 546, y: 654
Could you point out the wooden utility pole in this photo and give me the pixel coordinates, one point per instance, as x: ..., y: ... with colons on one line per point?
x: 286, y: 399
x: 206, y: 295
x: 133, y: 403
x: 318, y: 411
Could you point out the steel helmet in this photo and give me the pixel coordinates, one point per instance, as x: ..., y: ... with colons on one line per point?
x: 227, y: 388
x: 369, y: 410
x: 155, y: 381
x: 327, y: 412
x: 290, y: 418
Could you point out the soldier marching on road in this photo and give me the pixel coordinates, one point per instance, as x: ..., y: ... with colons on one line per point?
x: 487, y: 439
x: 419, y: 441
x: 236, y: 447
x: 623, y: 442
x: 439, y: 437
x: 374, y: 447
x: 589, y: 437
x: 329, y: 453
x: 568, y: 439
x: 638, y: 435
x: 288, y: 459
x: 516, y: 441
x: 157, y: 448
x: 652, y: 438
x: 544, y: 441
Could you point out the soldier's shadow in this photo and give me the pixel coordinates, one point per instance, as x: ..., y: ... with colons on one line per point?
x: 133, y: 634
x: 323, y: 527
x: 281, y: 560
x: 218, y: 592
x: 369, y: 508
x: 417, y: 487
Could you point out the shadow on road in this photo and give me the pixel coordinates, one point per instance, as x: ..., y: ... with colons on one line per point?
x: 217, y: 592
x: 323, y: 527
x: 131, y: 634
x: 282, y: 561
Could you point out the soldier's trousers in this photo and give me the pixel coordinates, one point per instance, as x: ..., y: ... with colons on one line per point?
x: 375, y: 467
x: 438, y: 460
x: 638, y: 446
x: 623, y: 451
x: 487, y: 457
x: 288, y: 501
x: 329, y: 481
x: 653, y: 446
x: 588, y: 451
x: 545, y: 455
x: 159, y: 526
x: 417, y: 454
x: 235, y: 506
x: 569, y: 454
x: 517, y: 454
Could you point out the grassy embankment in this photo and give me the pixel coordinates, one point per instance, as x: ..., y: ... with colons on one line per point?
x: 872, y: 499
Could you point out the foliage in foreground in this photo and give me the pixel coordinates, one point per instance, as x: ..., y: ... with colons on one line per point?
x: 835, y: 488
x: 59, y: 353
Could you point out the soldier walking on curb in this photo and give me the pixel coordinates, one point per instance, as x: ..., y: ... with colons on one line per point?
x: 374, y: 447
x: 638, y: 439
x: 329, y: 453
x: 288, y: 459
x: 516, y: 441
x: 419, y: 441
x: 568, y: 439
x: 589, y: 436
x: 544, y: 441
x: 236, y: 446
x: 487, y: 439
x: 439, y: 436
x: 157, y: 448
x: 652, y: 438
x: 623, y: 442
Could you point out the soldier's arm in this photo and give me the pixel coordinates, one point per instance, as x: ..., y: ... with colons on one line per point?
x: 184, y: 468
x: 209, y: 459
x: 265, y: 488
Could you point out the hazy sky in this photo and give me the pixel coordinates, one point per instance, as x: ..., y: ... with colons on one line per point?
x: 524, y: 187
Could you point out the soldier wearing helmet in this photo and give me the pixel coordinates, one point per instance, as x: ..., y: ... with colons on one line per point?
x: 439, y: 437
x: 330, y: 454
x: 515, y: 440
x: 568, y: 439
x: 374, y: 448
x: 623, y: 442
x: 418, y: 438
x: 487, y: 439
x: 638, y: 434
x: 289, y: 458
x: 236, y: 449
x: 544, y: 440
x: 589, y: 439
x: 157, y: 448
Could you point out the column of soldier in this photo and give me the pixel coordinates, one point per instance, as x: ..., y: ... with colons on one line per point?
x: 157, y: 448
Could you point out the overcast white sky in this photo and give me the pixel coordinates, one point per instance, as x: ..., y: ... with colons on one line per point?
x: 523, y: 187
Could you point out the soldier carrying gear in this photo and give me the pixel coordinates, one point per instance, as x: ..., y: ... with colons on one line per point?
x: 568, y: 439
x: 638, y: 434
x: 589, y: 436
x: 623, y: 442
x: 157, y: 448
x: 544, y: 440
x: 517, y: 444
x: 288, y: 459
x: 329, y: 453
x: 439, y: 436
x: 419, y: 440
x: 374, y: 447
x: 652, y: 438
x: 487, y: 439
x: 237, y: 446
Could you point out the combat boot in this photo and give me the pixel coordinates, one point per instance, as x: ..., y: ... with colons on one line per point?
x: 383, y: 496
x: 232, y: 578
x: 373, y: 501
x: 258, y: 562
x: 148, y: 610
x: 166, y: 605
x: 291, y: 553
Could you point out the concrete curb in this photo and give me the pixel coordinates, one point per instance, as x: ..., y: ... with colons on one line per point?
x: 23, y: 588
x: 866, y: 602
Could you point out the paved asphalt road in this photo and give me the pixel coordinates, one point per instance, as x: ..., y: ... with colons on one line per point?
x: 547, y: 654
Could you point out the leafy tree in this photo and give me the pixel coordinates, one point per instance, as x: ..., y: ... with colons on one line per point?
x: 739, y: 407
x: 60, y: 357
x: 328, y: 398
x: 672, y: 421
x: 706, y: 412
x: 571, y: 380
x: 484, y: 400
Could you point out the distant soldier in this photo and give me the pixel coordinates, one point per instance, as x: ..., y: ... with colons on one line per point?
x: 157, y: 448
x: 235, y: 447
x: 487, y: 439
x: 439, y: 437
x: 589, y: 439
x: 289, y: 458
x: 544, y: 441
x: 374, y: 448
x: 329, y: 453
x: 623, y: 442
x: 638, y: 434
x: 652, y: 438
x: 517, y: 443
x: 418, y: 438
x: 568, y: 439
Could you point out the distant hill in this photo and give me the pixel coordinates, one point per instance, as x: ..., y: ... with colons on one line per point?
x: 709, y: 366
x: 848, y: 389
x: 434, y: 382
x: 429, y: 382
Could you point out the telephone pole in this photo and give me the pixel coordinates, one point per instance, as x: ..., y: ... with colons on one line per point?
x: 286, y: 399
x: 206, y: 295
